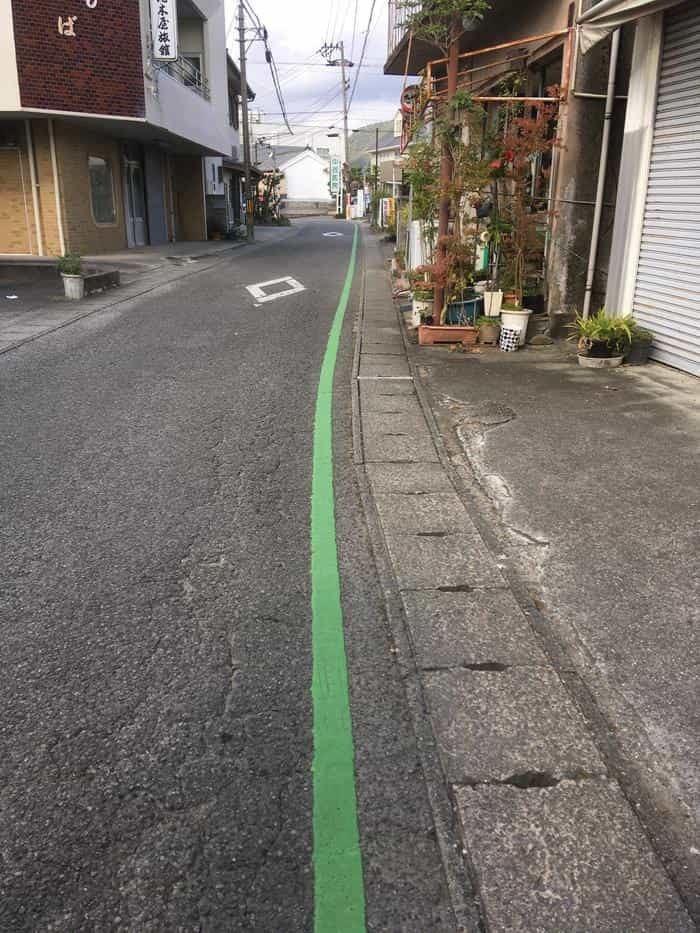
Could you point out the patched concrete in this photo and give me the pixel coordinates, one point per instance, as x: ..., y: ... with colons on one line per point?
x: 566, y: 858
x: 480, y: 627
x: 411, y: 478
x: 428, y: 514
x: 431, y: 562
x: 494, y: 725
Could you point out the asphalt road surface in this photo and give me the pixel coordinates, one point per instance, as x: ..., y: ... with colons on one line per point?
x: 155, y: 617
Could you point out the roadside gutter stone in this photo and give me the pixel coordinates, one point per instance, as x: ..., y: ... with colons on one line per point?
x: 563, y: 859
x: 480, y: 627
x: 495, y: 726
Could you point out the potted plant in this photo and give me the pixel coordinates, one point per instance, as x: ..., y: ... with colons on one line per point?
x: 638, y: 351
x: 529, y: 134
x: 602, y: 338
x: 70, y: 265
x: 422, y: 304
x: 489, y: 330
x: 515, y: 316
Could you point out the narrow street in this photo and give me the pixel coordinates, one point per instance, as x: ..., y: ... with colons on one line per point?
x: 156, y: 737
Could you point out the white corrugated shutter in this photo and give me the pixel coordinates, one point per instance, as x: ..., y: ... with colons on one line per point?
x: 667, y: 292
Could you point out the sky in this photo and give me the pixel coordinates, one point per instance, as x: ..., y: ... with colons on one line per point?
x: 311, y: 89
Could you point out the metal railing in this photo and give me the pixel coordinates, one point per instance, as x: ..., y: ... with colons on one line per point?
x: 187, y: 74
x: 398, y: 17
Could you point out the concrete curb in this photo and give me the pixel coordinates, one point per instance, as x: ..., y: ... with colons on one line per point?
x: 462, y: 897
x: 508, y: 738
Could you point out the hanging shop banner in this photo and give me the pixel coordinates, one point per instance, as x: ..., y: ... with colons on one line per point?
x: 335, y: 176
x: 164, y: 30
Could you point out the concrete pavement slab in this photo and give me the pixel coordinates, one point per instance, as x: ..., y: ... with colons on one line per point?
x: 494, y: 726
x: 450, y: 561
x: 405, y: 422
x: 428, y: 514
x: 413, y: 478
x: 375, y: 364
x: 399, y: 449
x: 462, y: 629
x: 566, y: 858
x: 391, y: 405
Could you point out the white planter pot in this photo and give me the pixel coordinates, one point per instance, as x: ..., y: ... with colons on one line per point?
x: 517, y: 320
x: 418, y: 308
x: 73, y: 286
x: 492, y: 303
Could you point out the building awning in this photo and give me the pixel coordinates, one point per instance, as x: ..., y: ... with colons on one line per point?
x: 606, y: 15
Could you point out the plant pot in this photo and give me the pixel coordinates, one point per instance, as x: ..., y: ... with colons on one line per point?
x: 73, y: 286
x: 489, y: 334
x: 517, y: 320
x: 599, y: 362
x: 419, y: 309
x: 537, y: 325
x: 638, y: 353
x: 450, y: 333
x: 492, y: 303
x: 463, y: 312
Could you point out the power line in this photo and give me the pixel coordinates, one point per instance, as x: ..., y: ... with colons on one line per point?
x: 362, y: 53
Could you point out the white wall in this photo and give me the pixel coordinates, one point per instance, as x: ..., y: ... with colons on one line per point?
x: 179, y: 109
x: 307, y: 178
x: 9, y: 82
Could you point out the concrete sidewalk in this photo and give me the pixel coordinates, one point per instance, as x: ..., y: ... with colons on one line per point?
x: 31, y: 294
x: 553, y: 841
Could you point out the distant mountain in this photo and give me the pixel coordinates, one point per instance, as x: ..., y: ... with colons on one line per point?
x: 362, y: 140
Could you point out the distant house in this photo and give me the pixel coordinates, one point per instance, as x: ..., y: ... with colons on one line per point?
x: 386, y: 151
x: 306, y: 178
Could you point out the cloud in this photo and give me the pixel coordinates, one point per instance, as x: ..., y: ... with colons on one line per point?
x: 311, y: 89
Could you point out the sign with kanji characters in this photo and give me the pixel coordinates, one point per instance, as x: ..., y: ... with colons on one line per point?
x: 335, y: 176
x: 164, y: 30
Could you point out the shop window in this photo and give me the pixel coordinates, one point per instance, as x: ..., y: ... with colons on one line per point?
x: 101, y: 191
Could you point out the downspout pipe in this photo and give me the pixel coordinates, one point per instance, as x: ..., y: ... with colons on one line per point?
x: 602, y: 171
x: 57, y: 193
x: 31, y: 158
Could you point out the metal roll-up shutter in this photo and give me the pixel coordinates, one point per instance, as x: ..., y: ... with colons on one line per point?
x: 667, y: 292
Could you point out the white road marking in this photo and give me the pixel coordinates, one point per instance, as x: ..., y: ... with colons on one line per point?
x: 257, y: 291
x: 333, y: 234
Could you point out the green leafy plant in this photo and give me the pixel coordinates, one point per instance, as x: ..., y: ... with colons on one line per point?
x: 488, y: 321
x: 435, y: 21
x: 642, y: 335
x: 602, y: 334
x: 70, y: 264
x: 424, y: 293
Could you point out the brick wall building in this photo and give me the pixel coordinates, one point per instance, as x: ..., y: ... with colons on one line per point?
x: 101, y: 145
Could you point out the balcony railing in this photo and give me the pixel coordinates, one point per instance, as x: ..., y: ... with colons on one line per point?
x: 479, y: 70
x: 398, y: 17
x: 188, y: 75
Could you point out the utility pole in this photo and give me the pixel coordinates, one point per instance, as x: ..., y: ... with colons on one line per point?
x: 376, y: 172
x: 345, y: 116
x: 249, y: 203
x: 446, y: 166
x: 327, y: 52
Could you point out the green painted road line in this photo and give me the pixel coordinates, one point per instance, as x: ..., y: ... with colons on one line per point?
x: 339, y: 894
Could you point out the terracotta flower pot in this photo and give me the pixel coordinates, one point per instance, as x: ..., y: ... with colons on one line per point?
x: 489, y: 334
x: 446, y: 333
